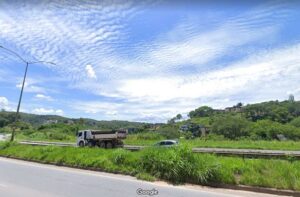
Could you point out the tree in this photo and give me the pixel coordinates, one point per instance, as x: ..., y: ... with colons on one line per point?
x: 81, y: 121
x: 268, y: 130
x: 231, y: 127
x: 3, y: 122
x: 169, y: 131
x: 239, y: 104
x: 178, y: 116
x: 203, y: 111
x: 295, y: 122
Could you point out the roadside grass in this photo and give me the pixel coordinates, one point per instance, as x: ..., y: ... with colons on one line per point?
x: 46, y: 136
x: 176, y: 165
x: 149, y: 139
x: 239, y: 144
x: 246, y: 144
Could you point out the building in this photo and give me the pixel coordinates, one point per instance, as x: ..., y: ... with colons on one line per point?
x: 235, y: 109
x: 51, y: 122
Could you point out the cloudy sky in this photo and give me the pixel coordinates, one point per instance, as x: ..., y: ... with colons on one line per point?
x: 147, y: 61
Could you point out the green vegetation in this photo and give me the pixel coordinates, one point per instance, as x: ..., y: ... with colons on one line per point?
x: 57, y: 128
x: 271, y: 120
x: 35, y: 121
x: 219, y: 142
x: 177, y: 165
x: 268, y: 125
x: 231, y: 127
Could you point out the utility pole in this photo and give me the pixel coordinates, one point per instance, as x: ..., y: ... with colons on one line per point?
x: 22, y: 89
x: 19, y: 104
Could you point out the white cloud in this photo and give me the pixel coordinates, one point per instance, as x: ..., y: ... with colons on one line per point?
x: 44, y: 111
x: 3, y: 103
x: 272, y: 67
x: 148, y: 76
x: 265, y: 76
x: 31, y: 86
x: 43, y: 97
x: 90, y: 71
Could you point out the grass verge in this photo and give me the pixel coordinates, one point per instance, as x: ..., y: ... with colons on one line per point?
x: 239, y: 144
x: 176, y: 165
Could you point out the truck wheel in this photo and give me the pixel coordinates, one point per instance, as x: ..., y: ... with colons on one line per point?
x: 109, y: 145
x: 90, y: 144
x: 102, y: 144
x: 81, y: 144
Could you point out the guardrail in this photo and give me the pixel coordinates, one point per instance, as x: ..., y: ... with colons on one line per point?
x: 249, y: 152
x: 219, y: 151
x: 42, y: 143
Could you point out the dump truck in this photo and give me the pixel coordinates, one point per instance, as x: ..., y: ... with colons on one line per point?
x: 102, y: 139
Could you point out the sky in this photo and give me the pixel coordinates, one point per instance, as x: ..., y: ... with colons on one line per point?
x: 147, y: 60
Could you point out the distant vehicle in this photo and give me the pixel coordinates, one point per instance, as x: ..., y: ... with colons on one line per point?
x: 167, y: 143
x: 102, y: 139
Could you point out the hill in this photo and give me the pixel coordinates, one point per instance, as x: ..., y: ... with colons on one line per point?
x: 263, y: 121
x: 35, y: 120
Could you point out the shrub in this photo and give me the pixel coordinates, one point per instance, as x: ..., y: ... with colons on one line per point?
x: 231, y: 127
x: 169, y: 132
x: 267, y: 129
x: 119, y: 156
x: 149, y: 136
x: 296, y: 122
x: 179, y: 164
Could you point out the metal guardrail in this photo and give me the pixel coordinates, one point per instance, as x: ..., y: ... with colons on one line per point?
x: 248, y: 152
x: 43, y: 143
x: 218, y: 151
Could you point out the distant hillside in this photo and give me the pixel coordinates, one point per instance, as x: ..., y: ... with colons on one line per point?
x: 282, y: 112
x: 260, y: 121
x: 37, y: 120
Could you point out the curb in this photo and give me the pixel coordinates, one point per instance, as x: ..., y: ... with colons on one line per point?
x: 265, y: 190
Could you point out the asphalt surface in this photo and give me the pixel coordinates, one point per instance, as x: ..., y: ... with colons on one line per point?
x: 20, y: 178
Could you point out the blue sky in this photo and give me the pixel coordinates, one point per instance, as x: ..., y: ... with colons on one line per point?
x: 147, y: 60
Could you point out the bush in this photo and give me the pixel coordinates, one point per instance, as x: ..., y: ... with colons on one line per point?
x: 267, y: 129
x: 179, y: 164
x: 231, y: 127
x: 295, y: 122
x: 169, y: 132
x: 149, y: 136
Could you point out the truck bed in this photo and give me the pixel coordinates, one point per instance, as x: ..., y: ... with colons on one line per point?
x: 109, y: 134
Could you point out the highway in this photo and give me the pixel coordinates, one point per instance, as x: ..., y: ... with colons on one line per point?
x: 28, y: 179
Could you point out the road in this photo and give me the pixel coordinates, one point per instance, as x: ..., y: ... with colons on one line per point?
x: 21, y: 178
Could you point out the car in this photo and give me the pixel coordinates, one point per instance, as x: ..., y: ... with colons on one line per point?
x: 166, y: 143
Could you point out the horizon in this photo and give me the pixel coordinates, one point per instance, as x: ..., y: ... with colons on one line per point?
x: 147, y: 61
x: 183, y: 118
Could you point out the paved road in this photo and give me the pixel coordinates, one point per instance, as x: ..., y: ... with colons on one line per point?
x: 20, y: 178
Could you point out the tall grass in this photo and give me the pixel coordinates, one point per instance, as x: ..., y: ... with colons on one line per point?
x: 177, y: 165
x: 222, y: 143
